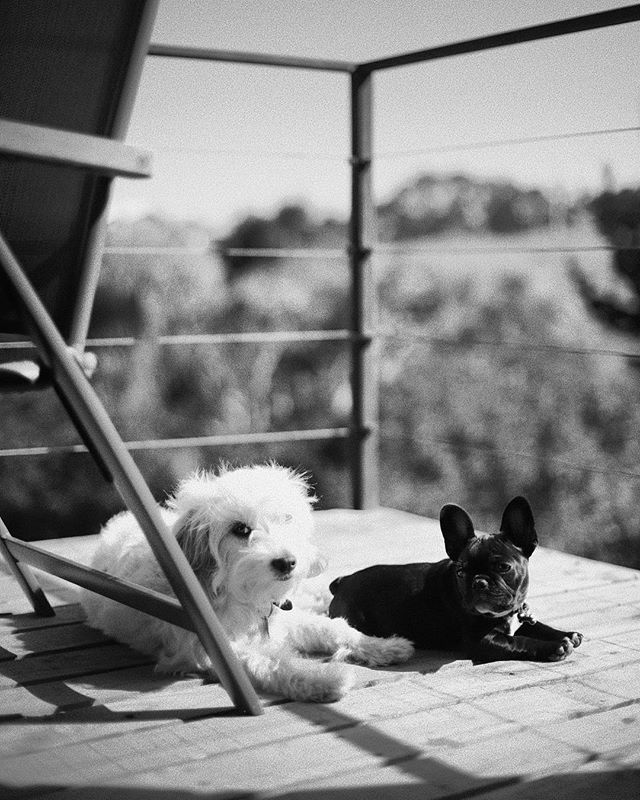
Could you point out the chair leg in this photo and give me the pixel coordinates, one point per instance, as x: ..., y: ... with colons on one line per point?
x: 88, y: 443
x: 25, y: 578
x: 71, y: 383
x: 79, y: 395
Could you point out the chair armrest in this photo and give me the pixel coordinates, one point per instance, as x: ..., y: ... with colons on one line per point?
x: 54, y: 146
x: 20, y: 376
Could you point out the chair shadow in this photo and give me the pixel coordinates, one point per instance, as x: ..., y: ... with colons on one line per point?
x: 104, y: 715
x: 432, y: 778
x: 136, y: 676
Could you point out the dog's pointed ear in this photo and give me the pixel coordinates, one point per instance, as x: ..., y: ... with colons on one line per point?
x: 194, y: 543
x: 457, y: 529
x: 518, y: 526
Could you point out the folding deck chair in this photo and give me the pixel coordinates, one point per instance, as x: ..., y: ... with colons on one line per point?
x: 70, y: 71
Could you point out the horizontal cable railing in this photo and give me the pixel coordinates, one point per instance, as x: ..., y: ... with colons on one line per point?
x: 510, y: 142
x: 408, y: 251
x: 405, y: 335
x: 217, y: 440
x: 458, y: 147
x: 412, y: 336
x: 244, y: 252
x: 296, y: 155
x: 519, y: 454
x: 142, y: 250
x: 283, y: 252
x: 393, y: 248
x: 253, y: 337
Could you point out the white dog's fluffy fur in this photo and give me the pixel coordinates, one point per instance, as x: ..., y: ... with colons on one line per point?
x: 247, y: 534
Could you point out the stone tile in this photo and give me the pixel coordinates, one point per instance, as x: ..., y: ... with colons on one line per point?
x: 601, y: 731
x: 533, y: 706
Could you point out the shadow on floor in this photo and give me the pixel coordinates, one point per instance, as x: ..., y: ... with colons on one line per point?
x: 432, y: 779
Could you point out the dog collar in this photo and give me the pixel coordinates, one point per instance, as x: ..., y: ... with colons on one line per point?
x: 283, y: 605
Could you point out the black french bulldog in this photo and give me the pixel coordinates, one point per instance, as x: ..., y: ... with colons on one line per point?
x: 466, y: 601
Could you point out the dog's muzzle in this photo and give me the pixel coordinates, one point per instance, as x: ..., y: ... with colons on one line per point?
x: 283, y: 567
x: 480, y: 584
x: 487, y: 598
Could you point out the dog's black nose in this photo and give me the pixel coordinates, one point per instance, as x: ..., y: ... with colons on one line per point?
x: 480, y: 583
x: 284, y: 565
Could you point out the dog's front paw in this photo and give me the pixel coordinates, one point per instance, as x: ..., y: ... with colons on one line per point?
x: 575, y: 638
x: 558, y: 651
x: 374, y: 651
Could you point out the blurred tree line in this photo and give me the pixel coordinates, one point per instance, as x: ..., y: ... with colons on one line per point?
x: 617, y: 216
x: 434, y: 204
x: 479, y: 400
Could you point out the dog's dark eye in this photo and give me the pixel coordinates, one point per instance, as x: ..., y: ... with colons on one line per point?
x: 503, y: 566
x: 240, y: 529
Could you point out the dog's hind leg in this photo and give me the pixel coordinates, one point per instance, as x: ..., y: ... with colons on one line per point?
x: 312, y: 633
x: 275, y: 670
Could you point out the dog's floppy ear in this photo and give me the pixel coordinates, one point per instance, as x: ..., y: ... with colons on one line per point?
x: 194, y: 543
x: 457, y: 529
x: 518, y: 526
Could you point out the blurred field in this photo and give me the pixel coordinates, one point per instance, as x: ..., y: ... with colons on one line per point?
x: 494, y: 381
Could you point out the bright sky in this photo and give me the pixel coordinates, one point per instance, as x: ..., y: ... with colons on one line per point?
x: 229, y: 140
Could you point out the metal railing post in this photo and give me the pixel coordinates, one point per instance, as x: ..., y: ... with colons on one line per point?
x: 364, y: 348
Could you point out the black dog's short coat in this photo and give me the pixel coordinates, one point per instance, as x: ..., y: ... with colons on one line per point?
x: 464, y: 602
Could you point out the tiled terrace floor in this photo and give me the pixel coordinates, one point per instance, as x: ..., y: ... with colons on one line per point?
x: 83, y: 717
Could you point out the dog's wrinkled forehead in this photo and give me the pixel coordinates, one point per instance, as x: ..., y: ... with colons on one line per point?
x: 485, y: 549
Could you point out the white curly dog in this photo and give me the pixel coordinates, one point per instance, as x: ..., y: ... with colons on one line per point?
x: 247, y: 534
